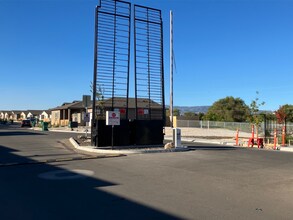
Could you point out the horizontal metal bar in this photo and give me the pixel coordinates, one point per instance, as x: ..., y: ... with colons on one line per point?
x: 104, y: 48
x: 105, y: 56
x: 137, y: 7
x: 117, y: 15
x: 105, y: 68
x: 122, y: 48
x: 144, y: 21
x: 123, y: 54
x: 109, y: 44
x: 119, y: 71
x: 103, y: 60
x: 146, y: 12
x: 122, y: 66
x: 146, y: 74
x: 121, y: 60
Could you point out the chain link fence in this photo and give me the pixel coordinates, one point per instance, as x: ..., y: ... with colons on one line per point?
x: 269, y: 126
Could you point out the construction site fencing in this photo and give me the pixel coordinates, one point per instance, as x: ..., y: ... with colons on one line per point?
x: 269, y: 126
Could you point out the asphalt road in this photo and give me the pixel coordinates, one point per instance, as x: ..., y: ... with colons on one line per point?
x: 23, y: 145
x: 209, y: 183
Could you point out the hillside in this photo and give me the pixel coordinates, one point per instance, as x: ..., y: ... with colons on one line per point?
x: 195, y: 109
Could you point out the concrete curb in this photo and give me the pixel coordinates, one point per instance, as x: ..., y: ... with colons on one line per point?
x: 122, y: 151
x: 205, y: 141
x: 286, y: 149
x: 61, y: 130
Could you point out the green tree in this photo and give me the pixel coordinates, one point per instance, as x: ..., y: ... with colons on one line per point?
x: 190, y: 115
x: 254, y: 117
x: 176, y: 112
x: 100, y: 100
x: 228, y: 109
x: 201, y: 116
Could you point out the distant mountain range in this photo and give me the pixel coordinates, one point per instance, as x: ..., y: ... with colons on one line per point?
x: 195, y: 109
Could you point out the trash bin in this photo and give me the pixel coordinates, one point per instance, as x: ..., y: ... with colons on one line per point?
x: 45, y: 126
x: 73, y: 124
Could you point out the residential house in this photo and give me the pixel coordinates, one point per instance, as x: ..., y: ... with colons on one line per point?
x: 45, y: 116
x: 2, y: 115
x: 15, y: 115
x: 62, y: 115
x: 75, y: 111
x: 34, y: 113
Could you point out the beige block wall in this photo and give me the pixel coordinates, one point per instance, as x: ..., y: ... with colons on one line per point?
x: 55, y: 120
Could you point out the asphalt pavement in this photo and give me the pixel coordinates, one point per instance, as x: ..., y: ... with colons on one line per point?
x: 207, y: 182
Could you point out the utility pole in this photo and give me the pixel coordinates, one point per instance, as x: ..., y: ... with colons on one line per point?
x: 171, y: 69
x: 93, y: 124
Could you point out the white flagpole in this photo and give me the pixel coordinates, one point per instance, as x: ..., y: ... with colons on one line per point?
x: 171, y: 69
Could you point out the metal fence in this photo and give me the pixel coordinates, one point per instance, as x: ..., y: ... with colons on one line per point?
x: 269, y: 126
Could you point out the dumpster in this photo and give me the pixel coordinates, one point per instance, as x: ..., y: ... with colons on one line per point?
x: 45, y: 126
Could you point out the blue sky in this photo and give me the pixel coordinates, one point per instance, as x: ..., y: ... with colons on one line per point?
x: 222, y: 48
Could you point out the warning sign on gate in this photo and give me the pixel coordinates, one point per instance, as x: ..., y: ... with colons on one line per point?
x: 112, y: 118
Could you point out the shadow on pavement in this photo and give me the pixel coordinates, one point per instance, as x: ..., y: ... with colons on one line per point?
x: 19, y: 133
x: 24, y: 195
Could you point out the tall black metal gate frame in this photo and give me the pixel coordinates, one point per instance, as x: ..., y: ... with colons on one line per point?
x: 112, y: 67
x: 148, y: 55
x: 112, y: 51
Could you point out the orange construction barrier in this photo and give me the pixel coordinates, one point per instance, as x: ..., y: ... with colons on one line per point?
x: 283, y: 136
x: 251, y: 140
x: 275, y: 139
x: 237, y: 137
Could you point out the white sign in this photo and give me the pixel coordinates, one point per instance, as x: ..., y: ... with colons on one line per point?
x: 112, y: 118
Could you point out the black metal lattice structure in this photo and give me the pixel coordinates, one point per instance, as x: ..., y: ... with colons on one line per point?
x: 148, y: 54
x: 111, y: 74
x: 113, y: 52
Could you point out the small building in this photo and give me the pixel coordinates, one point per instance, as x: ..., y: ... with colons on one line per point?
x: 34, y: 113
x: 62, y: 115
x: 45, y: 116
x: 2, y: 115
x: 15, y: 115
